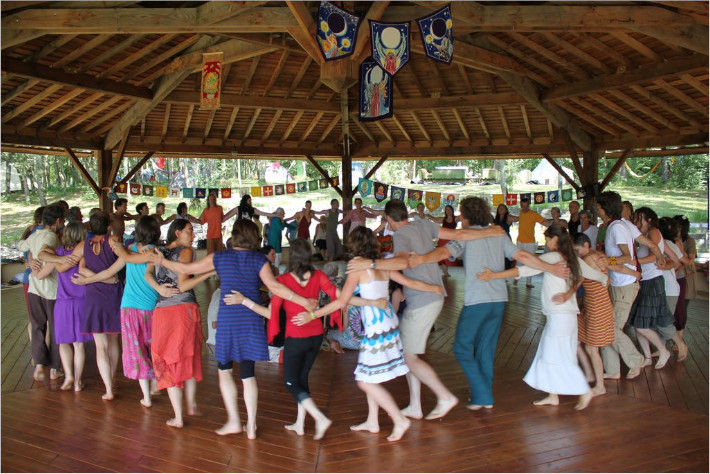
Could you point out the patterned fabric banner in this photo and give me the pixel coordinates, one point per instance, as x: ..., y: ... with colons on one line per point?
x: 437, y: 35
x: 290, y: 188
x: 121, y: 188
x: 147, y: 190
x: 553, y: 196
x: 213, y: 191
x: 450, y: 199
x: 414, y: 197
x: 200, y: 193
x: 390, y: 45
x: 226, y: 193
x: 433, y: 201
x: 302, y: 187
x: 397, y: 193
x: 511, y: 199
x: 267, y: 191
x: 365, y: 187
x: 539, y: 198
x: 525, y: 195
x: 279, y: 189
x: 174, y: 192
x: 498, y: 199
x: 567, y: 194
x: 255, y: 191
x: 188, y: 193
x: 375, y: 92
x: 337, y: 31
x: 211, y: 81
x: 334, y: 181
x: 313, y: 185
x: 135, y: 189
x: 161, y: 191
x: 380, y: 191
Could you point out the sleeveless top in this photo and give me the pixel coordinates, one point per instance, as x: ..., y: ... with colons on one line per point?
x: 303, y: 228
x: 98, y: 256
x: 137, y: 293
x: 67, y: 288
x: 449, y: 225
x: 163, y: 275
x: 649, y: 270
x: 503, y: 223
x: 331, y: 223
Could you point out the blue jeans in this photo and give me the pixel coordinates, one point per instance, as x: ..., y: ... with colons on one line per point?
x: 475, y: 347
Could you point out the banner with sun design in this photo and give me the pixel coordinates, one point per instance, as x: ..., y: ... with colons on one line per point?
x: 390, y: 45
x: 375, y: 92
x: 438, y: 35
x: 211, y: 81
x: 337, y: 31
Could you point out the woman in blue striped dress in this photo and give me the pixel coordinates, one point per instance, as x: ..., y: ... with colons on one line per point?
x: 241, y: 335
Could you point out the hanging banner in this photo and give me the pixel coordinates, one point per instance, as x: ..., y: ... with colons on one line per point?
x: 200, y: 193
x: 279, y: 189
x: 147, y: 190
x: 486, y: 198
x: 437, y: 35
x: 302, y: 187
x: 188, y: 193
x: 322, y: 183
x: 161, y: 191
x: 375, y: 92
x: 213, y: 191
x: 567, y: 194
x: 539, y: 198
x: 432, y: 201
x: 498, y: 199
x: 135, y: 189
x: 290, y: 188
x: 380, y: 191
x: 390, y: 45
x: 226, y: 193
x: 523, y: 196
x: 267, y: 191
x: 174, y: 192
x: 553, y: 196
x: 334, y: 181
x: 450, y: 199
x: 313, y: 185
x: 337, y: 31
x: 511, y: 199
x: 121, y: 188
x: 397, y: 193
x: 211, y: 81
x: 364, y: 187
x: 414, y: 197
x: 255, y: 191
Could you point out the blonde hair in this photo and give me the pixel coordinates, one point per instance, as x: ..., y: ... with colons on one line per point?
x: 73, y: 233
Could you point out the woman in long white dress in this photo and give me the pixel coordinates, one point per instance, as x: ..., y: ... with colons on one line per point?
x: 555, y: 369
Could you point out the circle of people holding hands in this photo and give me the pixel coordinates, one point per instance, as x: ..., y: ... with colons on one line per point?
x: 84, y: 282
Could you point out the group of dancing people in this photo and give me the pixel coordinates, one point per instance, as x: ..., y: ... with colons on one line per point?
x: 76, y: 292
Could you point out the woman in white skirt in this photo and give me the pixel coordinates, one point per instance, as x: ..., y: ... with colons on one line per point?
x: 555, y: 369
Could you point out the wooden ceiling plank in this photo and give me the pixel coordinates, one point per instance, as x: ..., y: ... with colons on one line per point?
x: 459, y: 120
x: 277, y: 72
x: 621, y: 60
x: 90, y: 113
x: 250, y: 75
x: 576, y: 71
x: 421, y: 126
x: 692, y: 37
x: 637, y: 45
x: 254, y: 117
x: 666, y: 105
x: 385, y: 132
x: 19, y: 90
x: 529, y: 59
x: 52, y: 107
x: 310, y: 128
x: 268, y: 39
x: 306, y: 35
x: 10, y: 6
x: 362, y: 42
x: 504, y: 121
x: 137, y: 56
x: 111, y: 52
x: 142, y: 130
x: 465, y: 79
x: 550, y: 130
x: 254, y: 101
x: 26, y: 105
x: 139, y: 69
x: 166, y: 121
x: 74, y: 109
x: 702, y: 87
x: 86, y: 81
x: 105, y: 118
x: 208, y: 126
x: 585, y: 117
x: 406, y: 134
x: 90, y: 45
x: 364, y: 130
x: 690, y: 102
x: 329, y: 128
x: 271, y: 126
x: 644, y: 109
x: 597, y: 112
x: 291, y: 126
x: 50, y: 47
x: 524, y: 112
x: 639, y: 75
x: 442, y: 125
x: 10, y: 38
x: 624, y: 112
x: 188, y: 119
x: 299, y: 76
x: 482, y: 123
x: 695, y: 7
x: 230, y: 124
x: 572, y: 49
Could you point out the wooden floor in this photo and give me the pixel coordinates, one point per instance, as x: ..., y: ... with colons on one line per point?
x: 657, y: 422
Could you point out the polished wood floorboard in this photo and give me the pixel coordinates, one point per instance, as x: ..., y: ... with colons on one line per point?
x: 655, y: 423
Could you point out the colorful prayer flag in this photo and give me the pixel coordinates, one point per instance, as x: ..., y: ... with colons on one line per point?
x: 161, y: 191
x: 567, y: 194
x: 323, y: 183
x: 188, y: 193
x: 450, y: 199
x: 511, y: 199
x: 380, y: 191
x: 255, y: 191
x: 226, y: 193
x: 498, y: 199
x: 523, y: 196
x: 375, y: 92
x: 174, y: 192
x: 279, y: 189
x: 553, y: 196
x: 147, y: 190
x: 214, y: 191
x: 437, y: 35
x: 337, y: 31
x: 200, y: 193
x: 135, y: 189
x: 433, y: 201
x: 121, y: 188
x: 365, y: 187
x: 313, y: 185
x: 335, y: 181
x: 397, y: 193
x: 290, y: 188
x: 390, y: 45
x: 211, y: 81
x: 267, y: 191
x: 540, y: 198
x: 302, y: 187
x: 414, y: 197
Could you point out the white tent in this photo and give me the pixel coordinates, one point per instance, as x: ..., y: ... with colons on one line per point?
x: 544, y: 173
x: 15, y: 184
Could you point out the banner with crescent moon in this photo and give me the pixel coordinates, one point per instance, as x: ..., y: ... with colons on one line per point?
x: 390, y: 45
x: 211, y: 81
x: 337, y: 31
x: 375, y: 92
x: 437, y: 35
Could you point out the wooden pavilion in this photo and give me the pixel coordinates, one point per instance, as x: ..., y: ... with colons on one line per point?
x: 586, y: 80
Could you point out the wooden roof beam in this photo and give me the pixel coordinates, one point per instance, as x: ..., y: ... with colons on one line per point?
x: 598, y: 112
x: 524, y: 113
x: 576, y: 71
x: 291, y: 126
x: 696, y: 83
x: 305, y: 34
x: 591, y: 119
x: 110, y: 53
x: 26, y: 105
x: 106, y: 117
x: 504, y: 121
x: 693, y: 37
x: 208, y: 126
x: 529, y: 59
x: 272, y: 124
x: 110, y: 102
x: 247, y: 132
x: 572, y: 49
x: 362, y: 43
x: 653, y: 97
x: 138, y: 69
x: 74, y: 109
x: 623, y: 112
x: 230, y: 124
x: 644, y: 109
x: 623, y: 63
x: 654, y: 140
x: 690, y: 102
x: 299, y: 76
x: 52, y: 107
x: 138, y: 55
x: 329, y: 128
x: 166, y: 122
x: 482, y: 123
x: 637, y: 45
x: 310, y: 128
x: 625, y: 79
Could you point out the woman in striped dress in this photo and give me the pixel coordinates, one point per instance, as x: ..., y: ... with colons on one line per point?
x: 241, y: 335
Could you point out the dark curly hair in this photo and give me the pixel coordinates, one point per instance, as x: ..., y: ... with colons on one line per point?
x: 475, y: 210
x: 362, y: 242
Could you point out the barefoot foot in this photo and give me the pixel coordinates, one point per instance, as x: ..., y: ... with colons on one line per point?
x: 682, y: 352
x: 646, y: 362
x: 231, y: 427
x: 193, y: 411
x: 296, y: 428
x: 598, y: 390
x: 321, y: 428
x: 612, y: 376
x: 662, y: 359
x: 108, y: 396
x: 79, y: 386
x: 478, y: 407
x: 414, y: 413
x: 399, y: 429
x: 148, y: 403
x: 67, y: 385
x: 366, y: 427
x: 55, y: 374
x: 335, y: 346
x: 39, y: 374
x: 442, y: 408
x: 174, y: 423
x: 251, y: 430
x: 548, y: 400
x: 584, y: 400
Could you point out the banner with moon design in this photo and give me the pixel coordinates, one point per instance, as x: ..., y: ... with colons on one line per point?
x: 390, y: 45
x: 375, y: 92
x: 438, y: 35
x: 337, y: 31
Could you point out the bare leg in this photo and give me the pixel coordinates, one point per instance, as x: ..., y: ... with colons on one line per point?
x: 550, y: 399
x: 79, y: 362
x: 190, y: 397
x: 175, y: 394
x: 66, y: 353
x: 381, y: 397
x: 663, y: 353
x: 145, y: 388
x: 414, y: 409
x: 114, y: 353
x: 335, y: 346
x: 322, y: 421
x: 299, y: 425
x: 644, y: 344
x: 372, y: 424
x: 584, y: 362
x: 229, y: 395
x: 598, y: 366
x: 681, y: 345
x: 251, y: 397
x: 424, y: 373
x: 103, y: 362
x: 584, y: 400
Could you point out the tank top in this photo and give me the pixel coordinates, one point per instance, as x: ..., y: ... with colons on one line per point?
x: 449, y: 225
x: 66, y: 288
x: 331, y: 223
x: 137, y: 293
x: 163, y: 275
x: 304, y: 228
x: 649, y: 270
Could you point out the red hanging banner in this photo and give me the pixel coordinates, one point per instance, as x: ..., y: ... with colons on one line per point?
x: 211, y: 81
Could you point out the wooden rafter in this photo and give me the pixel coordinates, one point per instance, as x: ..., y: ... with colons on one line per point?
x: 637, y: 46
x: 254, y: 117
x: 277, y: 72
x: 504, y: 122
x: 83, y: 170
x: 144, y: 66
x: 524, y: 113
x: 328, y: 129
x: 76, y: 53
x: 574, y: 50
x: 529, y: 59
x: 291, y: 126
x: 623, y: 111
x: 646, y: 94
x: 591, y: 119
x: 115, y: 111
x: 137, y: 167
x: 143, y: 130
x: 461, y: 123
x: 305, y: 33
x: 299, y: 76
x: 598, y: 112
x: 562, y: 172
x: 701, y: 109
x: 110, y: 53
x: 310, y: 128
x: 188, y: 119
x: 615, y: 169
x: 406, y: 134
x: 19, y: 90
x: 696, y: 83
x: 22, y: 108
x: 52, y: 107
x: 271, y: 126
x: 622, y: 61
x: 110, y: 102
x: 574, y: 70
x: 482, y: 123
x: 324, y: 173
x: 208, y: 126
x: 364, y: 130
x: 644, y: 109
x: 50, y: 47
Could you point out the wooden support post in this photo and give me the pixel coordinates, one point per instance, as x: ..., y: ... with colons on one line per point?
x: 137, y: 167
x: 591, y: 177
x: 82, y: 170
x: 619, y: 163
x: 105, y: 162
x: 347, y: 162
x: 561, y: 171
x: 324, y: 173
x: 373, y: 170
